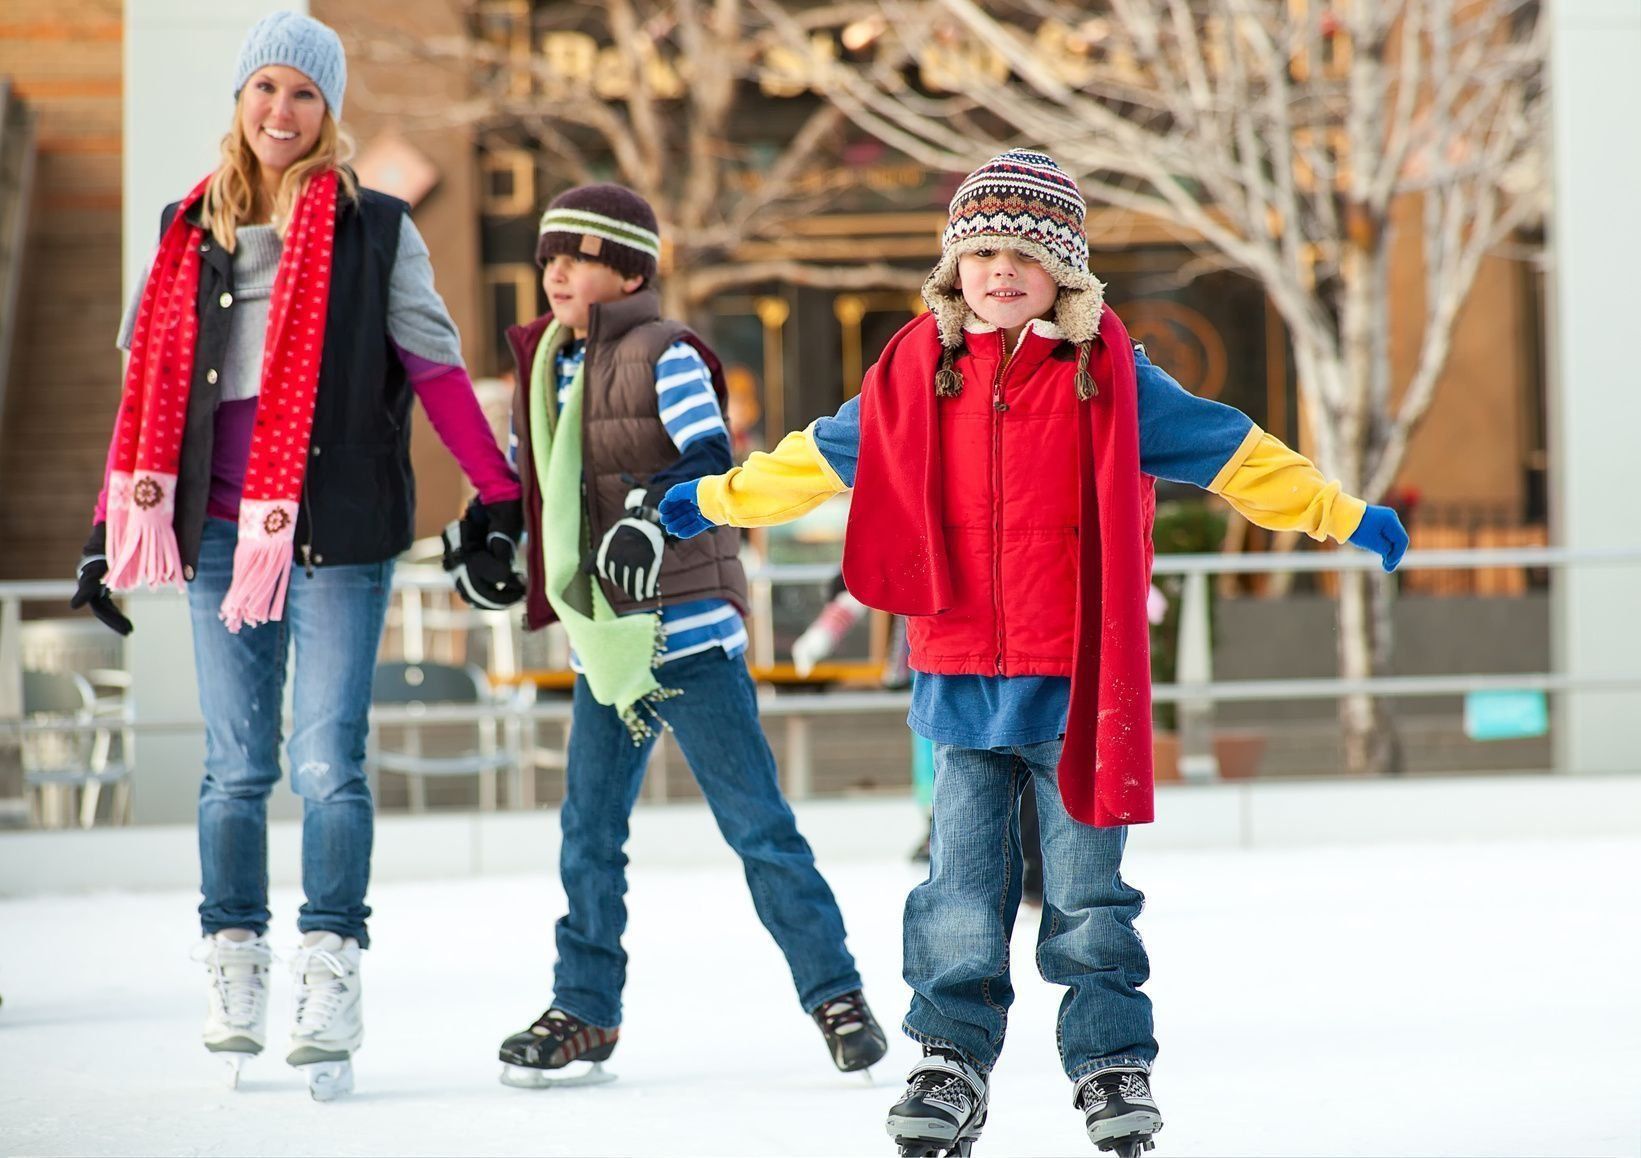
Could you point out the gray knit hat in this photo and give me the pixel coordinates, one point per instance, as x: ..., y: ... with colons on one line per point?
x: 298, y: 42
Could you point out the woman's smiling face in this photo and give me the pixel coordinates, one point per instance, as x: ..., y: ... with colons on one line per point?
x: 1006, y: 287
x: 281, y: 112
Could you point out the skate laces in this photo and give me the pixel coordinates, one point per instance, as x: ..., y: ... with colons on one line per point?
x: 237, y: 969
x: 844, y: 1015
x: 556, y: 1024
x: 941, y: 1074
x: 321, y: 986
x: 1129, y: 1085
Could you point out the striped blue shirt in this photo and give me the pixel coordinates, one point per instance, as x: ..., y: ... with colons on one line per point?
x: 690, y: 412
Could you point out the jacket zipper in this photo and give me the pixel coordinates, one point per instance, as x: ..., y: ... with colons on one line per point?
x: 999, y: 408
x: 307, y: 548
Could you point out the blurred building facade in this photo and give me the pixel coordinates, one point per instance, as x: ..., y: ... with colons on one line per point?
x: 795, y: 351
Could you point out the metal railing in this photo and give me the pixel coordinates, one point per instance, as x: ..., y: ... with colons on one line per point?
x: 1195, y: 690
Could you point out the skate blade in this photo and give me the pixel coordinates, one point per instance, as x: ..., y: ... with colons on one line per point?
x: 232, y: 1064
x: 328, y: 1079
x: 574, y: 1074
x: 1132, y: 1147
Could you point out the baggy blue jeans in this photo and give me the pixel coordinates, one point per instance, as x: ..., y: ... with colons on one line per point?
x: 959, y: 922
x: 334, y: 618
x: 716, y: 723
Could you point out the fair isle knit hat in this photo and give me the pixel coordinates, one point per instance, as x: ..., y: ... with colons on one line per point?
x: 298, y: 42
x: 606, y: 223
x: 1018, y: 200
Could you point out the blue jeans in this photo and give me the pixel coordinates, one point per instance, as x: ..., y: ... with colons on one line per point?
x: 959, y: 921
x: 335, y: 620
x: 716, y: 724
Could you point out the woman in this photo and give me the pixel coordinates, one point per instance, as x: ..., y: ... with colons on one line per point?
x: 261, y: 455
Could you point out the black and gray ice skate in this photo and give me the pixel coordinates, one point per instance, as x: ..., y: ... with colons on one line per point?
x: 944, y: 1108
x: 558, y: 1050
x: 1119, y: 1111
x: 853, y: 1036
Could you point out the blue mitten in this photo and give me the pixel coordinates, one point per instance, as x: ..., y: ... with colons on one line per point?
x: 1382, y: 533
x: 681, y: 515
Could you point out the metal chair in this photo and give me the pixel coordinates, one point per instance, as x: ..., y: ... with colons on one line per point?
x: 70, y: 760
x: 417, y: 751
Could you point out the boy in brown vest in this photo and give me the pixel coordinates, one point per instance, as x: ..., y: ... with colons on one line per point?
x: 614, y: 405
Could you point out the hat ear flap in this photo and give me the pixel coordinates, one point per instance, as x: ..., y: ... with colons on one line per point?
x: 945, y: 301
x: 1078, y: 308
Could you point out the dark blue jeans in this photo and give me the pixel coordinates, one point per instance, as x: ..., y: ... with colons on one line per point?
x: 716, y: 723
x: 959, y: 922
x: 334, y: 618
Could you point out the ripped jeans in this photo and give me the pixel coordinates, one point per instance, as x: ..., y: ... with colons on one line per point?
x: 334, y: 618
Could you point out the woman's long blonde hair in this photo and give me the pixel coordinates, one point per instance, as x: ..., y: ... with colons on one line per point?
x: 231, y: 197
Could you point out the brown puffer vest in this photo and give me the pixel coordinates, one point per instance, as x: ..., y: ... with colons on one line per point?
x: 623, y: 439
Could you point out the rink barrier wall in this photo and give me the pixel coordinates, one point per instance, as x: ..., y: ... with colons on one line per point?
x: 1191, y: 817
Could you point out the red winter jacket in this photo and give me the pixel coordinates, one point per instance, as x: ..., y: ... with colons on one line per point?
x: 1012, y: 525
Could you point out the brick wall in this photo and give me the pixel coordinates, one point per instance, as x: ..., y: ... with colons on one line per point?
x: 64, y: 57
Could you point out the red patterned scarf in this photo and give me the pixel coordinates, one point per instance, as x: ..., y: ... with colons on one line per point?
x: 142, y: 544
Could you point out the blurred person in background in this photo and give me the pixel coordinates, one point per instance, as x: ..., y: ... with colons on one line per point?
x: 260, y: 459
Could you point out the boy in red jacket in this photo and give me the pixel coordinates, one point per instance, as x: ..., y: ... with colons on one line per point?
x: 1004, y: 447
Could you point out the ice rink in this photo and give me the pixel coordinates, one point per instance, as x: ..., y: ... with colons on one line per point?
x: 1466, y: 999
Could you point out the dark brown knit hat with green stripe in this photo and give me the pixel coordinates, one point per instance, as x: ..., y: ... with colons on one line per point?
x: 604, y: 223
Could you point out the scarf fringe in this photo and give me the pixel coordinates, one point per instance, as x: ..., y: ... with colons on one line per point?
x: 262, y: 568
x: 142, y: 549
x: 638, y: 728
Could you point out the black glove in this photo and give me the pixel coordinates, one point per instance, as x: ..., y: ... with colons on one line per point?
x: 92, y: 591
x: 478, y: 553
x: 630, y: 555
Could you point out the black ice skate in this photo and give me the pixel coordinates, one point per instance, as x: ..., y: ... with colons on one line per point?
x: 1118, y: 1110
x: 852, y: 1034
x: 944, y: 1107
x: 558, y: 1050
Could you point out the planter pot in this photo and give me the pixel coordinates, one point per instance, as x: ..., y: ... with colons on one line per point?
x: 1239, y: 752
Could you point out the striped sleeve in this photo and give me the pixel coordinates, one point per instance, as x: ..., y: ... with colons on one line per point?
x: 684, y: 394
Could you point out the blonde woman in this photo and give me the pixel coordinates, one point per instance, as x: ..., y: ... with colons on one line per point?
x: 260, y: 459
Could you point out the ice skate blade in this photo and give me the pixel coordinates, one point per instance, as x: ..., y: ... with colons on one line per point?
x: 574, y: 1074
x: 328, y: 1080
x: 232, y: 1064
x: 1132, y: 1147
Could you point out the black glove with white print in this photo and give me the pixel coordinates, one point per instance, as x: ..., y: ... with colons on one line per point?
x: 630, y: 555
x: 478, y: 553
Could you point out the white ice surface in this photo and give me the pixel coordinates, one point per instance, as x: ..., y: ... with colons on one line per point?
x: 1473, y: 999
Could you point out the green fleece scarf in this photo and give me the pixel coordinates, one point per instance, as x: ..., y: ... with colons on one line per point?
x: 616, y: 651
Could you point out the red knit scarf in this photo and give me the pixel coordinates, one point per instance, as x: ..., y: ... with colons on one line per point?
x: 142, y: 544
x: 894, y: 554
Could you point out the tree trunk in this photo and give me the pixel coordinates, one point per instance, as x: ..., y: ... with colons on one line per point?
x: 1372, y: 747
x: 1365, y: 635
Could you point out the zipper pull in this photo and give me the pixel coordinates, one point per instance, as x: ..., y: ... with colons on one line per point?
x: 307, y: 559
